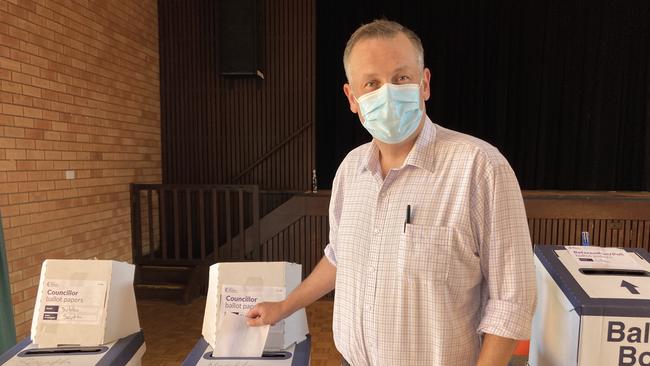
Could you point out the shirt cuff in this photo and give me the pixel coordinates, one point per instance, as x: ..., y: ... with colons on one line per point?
x: 506, y: 319
x: 330, y: 255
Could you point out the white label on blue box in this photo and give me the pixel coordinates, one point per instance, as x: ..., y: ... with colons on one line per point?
x: 603, y: 258
x: 73, y: 301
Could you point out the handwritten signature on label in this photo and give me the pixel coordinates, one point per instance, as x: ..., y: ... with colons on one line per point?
x: 69, y: 308
x: 72, y: 316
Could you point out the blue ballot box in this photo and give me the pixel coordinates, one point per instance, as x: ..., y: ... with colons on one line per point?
x: 127, y: 351
x: 593, y: 307
x: 294, y: 355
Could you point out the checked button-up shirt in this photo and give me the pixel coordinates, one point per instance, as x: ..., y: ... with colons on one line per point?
x: 424, y: 292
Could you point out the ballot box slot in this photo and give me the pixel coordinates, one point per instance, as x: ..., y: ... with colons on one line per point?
x: 35, y: 352
x: 276, y: 355
x: 614, y: 272
x: 266, y: 356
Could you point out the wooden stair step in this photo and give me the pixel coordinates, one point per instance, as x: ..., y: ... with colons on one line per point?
x: 164, y: 291
x: 160, y: 286
x: 148, y: 274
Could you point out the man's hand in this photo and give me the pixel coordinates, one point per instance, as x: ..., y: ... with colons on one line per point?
x: 496, y: 351
x: 321, y: 281
x: 266, y: 313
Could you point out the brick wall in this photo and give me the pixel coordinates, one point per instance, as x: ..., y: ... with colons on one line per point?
x: 79, y: 92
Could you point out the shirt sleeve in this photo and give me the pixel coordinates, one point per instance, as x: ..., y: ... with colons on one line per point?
x: 336, y: 202
x: 506, y: 258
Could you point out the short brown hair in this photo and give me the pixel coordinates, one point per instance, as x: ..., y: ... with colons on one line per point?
x: 381, y: 28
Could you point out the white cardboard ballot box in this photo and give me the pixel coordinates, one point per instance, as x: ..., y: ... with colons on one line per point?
x: 236, y: 287
x: 593, y: 307
x: 84, y: 303
x: 127, y: 351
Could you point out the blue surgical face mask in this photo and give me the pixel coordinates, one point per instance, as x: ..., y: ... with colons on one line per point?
x: 391, y: 113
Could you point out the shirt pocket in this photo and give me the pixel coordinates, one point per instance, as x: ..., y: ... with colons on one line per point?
x: 423, y: 252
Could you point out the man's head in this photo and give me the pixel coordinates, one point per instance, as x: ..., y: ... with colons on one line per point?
x: 384, y: 52
x: 381, y: 29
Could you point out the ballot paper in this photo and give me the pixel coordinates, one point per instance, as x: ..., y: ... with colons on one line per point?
x: 235, y: 337
x: 238, y: 339
x: 604, y: 258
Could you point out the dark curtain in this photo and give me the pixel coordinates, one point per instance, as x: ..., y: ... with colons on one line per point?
x: 561, y: 87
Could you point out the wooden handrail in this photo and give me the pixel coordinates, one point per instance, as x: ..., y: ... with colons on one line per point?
x: 244, y: 187
x: 271, y: 152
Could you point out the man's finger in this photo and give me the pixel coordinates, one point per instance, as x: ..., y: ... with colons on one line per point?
x: 254, y: 312
x: 255, y: 322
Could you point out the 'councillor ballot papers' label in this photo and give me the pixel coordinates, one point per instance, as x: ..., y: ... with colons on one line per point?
x: 240, y: 299
x: 73, y: 301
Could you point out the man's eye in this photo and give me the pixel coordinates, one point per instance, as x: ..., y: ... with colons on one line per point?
x: 404, y: 78
x: 370, y: 84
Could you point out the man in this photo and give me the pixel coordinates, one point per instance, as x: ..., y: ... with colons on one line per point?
x: 429, y: 247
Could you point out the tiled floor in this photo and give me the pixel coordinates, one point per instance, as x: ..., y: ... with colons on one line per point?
x: 171, y: 330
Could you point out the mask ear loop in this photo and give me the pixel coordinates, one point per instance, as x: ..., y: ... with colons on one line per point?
x: 356, y: 101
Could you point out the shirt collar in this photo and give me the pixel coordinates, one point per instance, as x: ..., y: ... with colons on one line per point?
x: 420, y: 155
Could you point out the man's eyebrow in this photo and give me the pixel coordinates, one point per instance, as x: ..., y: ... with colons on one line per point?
x: 399, y: 69
x: 371, y: 75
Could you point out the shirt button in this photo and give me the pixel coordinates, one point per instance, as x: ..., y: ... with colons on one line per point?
x: 377, y: 230
x: 372, y: 269
x: 383, y: 195
x: 369, y: 307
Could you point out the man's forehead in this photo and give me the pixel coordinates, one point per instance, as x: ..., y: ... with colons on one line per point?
x: 390, y: 53
x: 398, y: 42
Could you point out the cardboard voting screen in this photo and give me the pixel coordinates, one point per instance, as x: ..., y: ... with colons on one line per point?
x: 237, y: 287
x: 84, y: 302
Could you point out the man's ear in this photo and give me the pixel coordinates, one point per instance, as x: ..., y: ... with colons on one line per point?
x: 347, y: 89
x: 426, y: 87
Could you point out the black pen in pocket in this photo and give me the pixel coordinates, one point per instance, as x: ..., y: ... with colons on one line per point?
x: 408, y: 216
